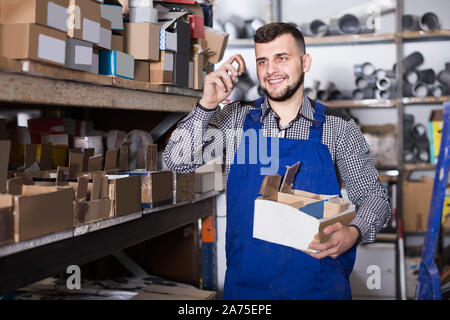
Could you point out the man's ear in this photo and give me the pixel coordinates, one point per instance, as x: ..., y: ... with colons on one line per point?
x: 307, y: 60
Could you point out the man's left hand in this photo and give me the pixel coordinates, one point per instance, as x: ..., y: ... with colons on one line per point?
x: 342, y: 239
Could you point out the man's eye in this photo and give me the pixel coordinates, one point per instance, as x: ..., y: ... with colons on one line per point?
x: 282, y: 58
x: 261, y: 63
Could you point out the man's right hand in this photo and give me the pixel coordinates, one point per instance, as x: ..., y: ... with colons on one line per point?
x: 219, y: 84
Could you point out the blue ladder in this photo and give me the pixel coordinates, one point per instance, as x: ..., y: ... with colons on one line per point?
x: 429, y: 283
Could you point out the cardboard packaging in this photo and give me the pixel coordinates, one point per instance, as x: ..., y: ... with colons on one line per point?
x: 142, y: 71
x: 204, y: 182
x: 84, y: 20
x: 416, y: 204
x: 161, y: 72
x: 198, y: 58
x: 435, y: 126
x: 141, y: 41
x: 217, y: 42
x: 383, y: 143
x: 117, y: 42
x: 181, y: 74
x: 156, y: 292
x: 5, y: 148
x: 197, y: 24
x: 175, y: 32
x: 156, y: 186
x: 143, y: 14
x: 105, y: 34
x: 191, y: 75
x: 116, y: 63
x: 184, y: 186
x: 79, y: 55
x: 215, y: 168
x: 125, y: 193
x: 167, y: 39
x: 6, y: 219
x: 50, y: 13
x: 112, y: 13
x: 295, y: 218
x: 42, y: 210
x: 95, y: 61
x: 34, y: 42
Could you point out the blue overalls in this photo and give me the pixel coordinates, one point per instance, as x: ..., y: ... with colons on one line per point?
x: 258, y: 269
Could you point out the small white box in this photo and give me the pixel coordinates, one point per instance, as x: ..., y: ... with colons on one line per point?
x: 149, y: 15
x: 141, y: 3
x: 114, y: 14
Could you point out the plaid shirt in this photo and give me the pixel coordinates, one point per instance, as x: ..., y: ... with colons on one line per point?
x: 348, y: 148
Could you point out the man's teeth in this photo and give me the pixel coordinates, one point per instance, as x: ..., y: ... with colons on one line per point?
x: 274, y: 81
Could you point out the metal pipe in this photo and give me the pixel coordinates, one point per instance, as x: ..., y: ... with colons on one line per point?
x: 437, y: 90
x: 447, y: 66
x: 347, y: 24
x: 316, y: 28
x: 412, y: 77
x: 410, y: 22
x: 383, y: 94
x: 444, y: 78
x: 420, y: 90
x: 358, y: 94
x: 429, y: 22
x: 365, y: 82
x: 411, y: 61
x: 384, y: 84
x: 335, y: 95
x: 382, y: 73
x: 428, y: 76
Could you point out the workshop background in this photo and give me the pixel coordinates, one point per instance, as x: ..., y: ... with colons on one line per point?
x: 90, y: 92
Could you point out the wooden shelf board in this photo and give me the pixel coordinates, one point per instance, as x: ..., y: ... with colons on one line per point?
x: 367, y: 103
x: 423, y: 35
x: 426, y: 100
x: 351, y: 39
x: 36, y: 83
x: 419, y: 166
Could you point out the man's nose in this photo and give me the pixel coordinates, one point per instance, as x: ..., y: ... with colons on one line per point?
x: 272, y: 68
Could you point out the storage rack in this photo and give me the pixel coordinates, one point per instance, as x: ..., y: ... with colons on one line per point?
x: 39, y: 85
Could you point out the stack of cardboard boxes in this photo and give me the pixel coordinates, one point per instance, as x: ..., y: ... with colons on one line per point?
x: 171, y: 48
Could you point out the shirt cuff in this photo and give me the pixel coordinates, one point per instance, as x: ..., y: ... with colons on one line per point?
x: 363, y: 228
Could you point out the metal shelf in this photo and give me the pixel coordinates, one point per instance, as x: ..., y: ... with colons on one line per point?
x: 29, y: 261
x: 29, y: 82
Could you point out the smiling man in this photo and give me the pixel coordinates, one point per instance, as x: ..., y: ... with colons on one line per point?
x: 331, y: 151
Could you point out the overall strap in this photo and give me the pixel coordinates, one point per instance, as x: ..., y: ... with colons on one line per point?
x: 253, y: 117
x: 316, y: 129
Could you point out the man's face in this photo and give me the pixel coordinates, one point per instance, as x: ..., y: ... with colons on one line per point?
x: 279, y: 65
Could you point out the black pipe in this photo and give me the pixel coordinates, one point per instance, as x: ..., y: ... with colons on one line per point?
x: 428, y: 76
x: 411, y: 61
x: 347, y: 24
x: 410, y: 22
x: 429, y: 22
x: 444, y: 78
x: 316, y: 28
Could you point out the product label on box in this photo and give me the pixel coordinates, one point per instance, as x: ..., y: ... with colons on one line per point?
x: 168, y: 62
x: 124, y: 65
x: 94, y: 67
x: 105, y: 38
x: 91, y: 31
x: 57, y: 16
x: 114, y: 14
x: 83, y: 55
x: 51, y: 49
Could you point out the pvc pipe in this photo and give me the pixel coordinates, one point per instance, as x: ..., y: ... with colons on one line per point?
x: 437, y: 91
x: 358, y: 94
x: 444, y: 78
x: 420, y: 90
x: 382, y: 73
x: 384, y: 84
x: 428, y: 76
x: 411, y: 22
x: 347, y: 24
x: 412, y: 77
x: 382, y: 94
x: 316, y: 28
x: 411, y: 61
x: 429, y: 22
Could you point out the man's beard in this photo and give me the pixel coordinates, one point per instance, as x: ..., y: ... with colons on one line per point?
x: 290, y: 91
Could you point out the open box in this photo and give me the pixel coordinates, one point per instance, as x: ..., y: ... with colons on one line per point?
x: 296, y: 218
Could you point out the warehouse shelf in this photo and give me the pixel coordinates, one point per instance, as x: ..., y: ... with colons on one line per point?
x: 366, y: 103
x: 419, y: 166
x: 387, y: 236
x: 37, y: 83
x: 426, y: 100
x: 29, y: 261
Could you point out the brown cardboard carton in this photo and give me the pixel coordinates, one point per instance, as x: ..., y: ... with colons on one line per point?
x: 156, y: 187
x: 90, y: 211
x: 184, y: 186
x: 199, y: 61
x: 50, y: 13
x: 142, y: 41
x: 125, y: 192
x: 142, y: 71
x: 217, y: 42
x: 105, y: 34
x: 156, y: 292
x: 204, y: 182
x: 42, y: 210
x: 416, y: 204
x: 34, y: 42
x: 117, y: 42
x: 6, y: 219
x: 215, y: 168
x: 84, y: 20
x: 161, y: 72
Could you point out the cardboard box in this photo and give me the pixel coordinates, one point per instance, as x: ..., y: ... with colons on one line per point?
x: 6, y: 219
x: 5, y: 148
x: 34, y: 42
x: 79, y: 54
x: 112, y: 13
x: 416, y: 204
x: 197, y: 24
x: 161, y: 72
x: 116, y: 63
x: 435, y: 126
x: 84, y: 20
x: 156, y: 292
x: 383, y: 143
x: 204, y: 182
x: 42, y: 210
x: 191, y: 75
x: 174, y: 28
x: 147, y: 15
x: 125, y: 193
x: 217, y: 43
x: 167, y: 39
x: 198, y: 60
x: 156, y: 186
x: 296, y: 219
x: 95, y: 61
x: 50, y: 13
x: 183, y: 36
x: 117, y: 42
x: 105, y: 34
x: 142, y: 71
x: 181, y: 73
x: 217, y: 170
x: 141, y: 41
x: 184, y: 186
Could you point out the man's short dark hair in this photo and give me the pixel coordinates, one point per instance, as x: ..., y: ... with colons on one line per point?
x: 271, y: 31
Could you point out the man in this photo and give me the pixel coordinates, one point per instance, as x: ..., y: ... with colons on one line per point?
x: 321, y: 142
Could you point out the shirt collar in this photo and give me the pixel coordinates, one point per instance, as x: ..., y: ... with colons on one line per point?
x: 306, y: 110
